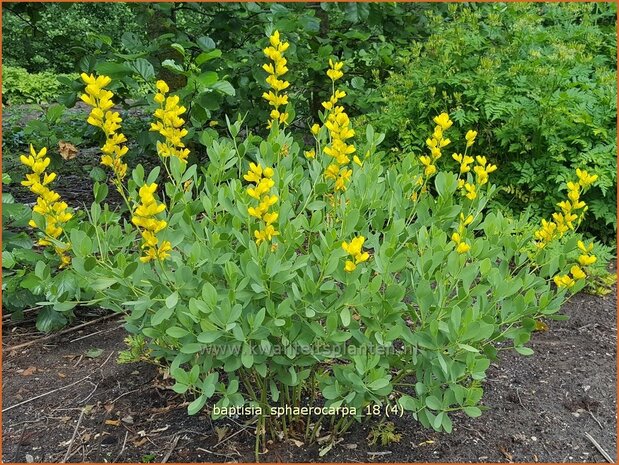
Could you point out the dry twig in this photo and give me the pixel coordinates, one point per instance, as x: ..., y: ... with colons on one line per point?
x: 60, y: 333
x: 79, y: 422
x: 599, y: 448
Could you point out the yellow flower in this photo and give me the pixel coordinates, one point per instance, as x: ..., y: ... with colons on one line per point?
x: 310, y: 153
x: 334, y: 72
x: 463, y: 247
x: 577, y: 272
x: 169, y: 124
x: 355, y: 246
x: 466, y: 221
x: 261, y: 177
x: 564, y: 281
x: 586, y: 260
x: 315, y: 129
x: 443, y: 121
x: 470, y: 138
x: 350, y: 266
x: 471, y: 191
x: 355, y: 249
x: 585, y: 178
x: 585, y: 248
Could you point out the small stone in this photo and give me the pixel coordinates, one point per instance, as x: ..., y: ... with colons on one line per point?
x: 29, y: 458
x: 533, y: 438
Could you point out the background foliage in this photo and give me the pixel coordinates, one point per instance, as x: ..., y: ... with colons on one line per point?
x: 538, y: 81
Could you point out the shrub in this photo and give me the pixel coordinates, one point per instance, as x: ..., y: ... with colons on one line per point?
x: 278, y: 272
x: 19, y: 86
x: 537, y: 81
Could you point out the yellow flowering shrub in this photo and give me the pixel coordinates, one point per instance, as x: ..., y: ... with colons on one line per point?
x: 278, y: 272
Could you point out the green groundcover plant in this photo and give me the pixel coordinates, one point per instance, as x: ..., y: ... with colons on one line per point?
x: 309, y: 285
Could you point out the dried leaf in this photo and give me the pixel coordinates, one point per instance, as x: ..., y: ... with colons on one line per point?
x: 29, y: 371
x: 112, y: 422
x: 67, y: 150
x: 540, y: 326
x: 221, y: 432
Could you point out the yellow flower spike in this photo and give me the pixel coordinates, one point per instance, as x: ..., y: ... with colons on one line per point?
x: 169, y: 124
x: 56, y: 213
x: 355, y: 249
x: 275, y: 71
x: 108, y: 121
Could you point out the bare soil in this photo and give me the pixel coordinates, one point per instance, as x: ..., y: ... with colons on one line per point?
x: 538, y: 408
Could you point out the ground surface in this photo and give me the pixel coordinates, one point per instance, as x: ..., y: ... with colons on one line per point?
x: 539, y: 407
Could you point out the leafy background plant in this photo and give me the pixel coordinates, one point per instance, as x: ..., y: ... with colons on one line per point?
x: 538, y: 81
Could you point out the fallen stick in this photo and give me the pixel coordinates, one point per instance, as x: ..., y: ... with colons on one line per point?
x: 60, y: 333
x: 95, y: 333
x: 122, y: 449
x: 54, y: 390
x: 172, y: 447
x: 79, y: 422
x: 9, y: 315
x: 599, y: 448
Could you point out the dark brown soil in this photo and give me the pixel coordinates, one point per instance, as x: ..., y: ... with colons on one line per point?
x: 539, y: 407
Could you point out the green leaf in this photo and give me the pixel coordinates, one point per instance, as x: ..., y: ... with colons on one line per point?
x: 433, y: 403
x: 196, y: 405
x: 93, y: 353
x: 176, y: 332
x: 172, y: 300
x: 224, y: 87
x: 345, y: 316
x: 191, y: 348
x: 207, y: 56
x: 102, y: 283
x: 524, y: 350
x: 472, y: 412
x: 205, y: 43
x: 144, y: 68
x: 161, y: 315
x: 357, y: 83
x: 173, y: 66
x: 208, y: 337
x: 50, y: 320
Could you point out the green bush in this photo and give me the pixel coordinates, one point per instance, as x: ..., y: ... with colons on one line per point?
x: 537, y: 81
x: 19, y: 86
x: 267, y: 277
